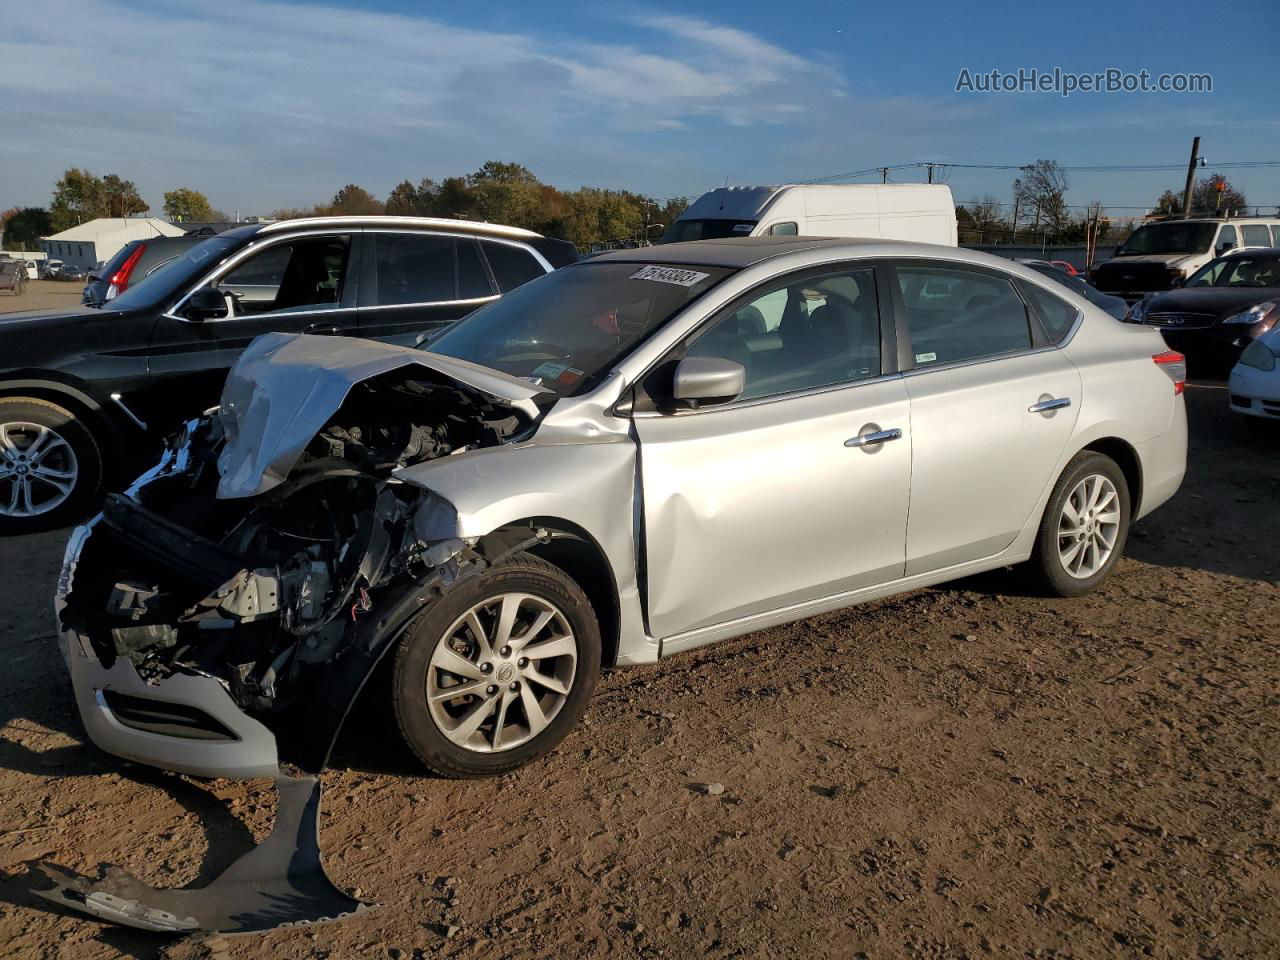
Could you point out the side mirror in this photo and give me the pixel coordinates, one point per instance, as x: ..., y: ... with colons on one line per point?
x: 206, y: 304
x: 1224, y: 246
x: 701, y: 380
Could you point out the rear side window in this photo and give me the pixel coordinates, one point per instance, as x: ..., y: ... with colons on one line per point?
x: 1056, y: 315
x: 473, y: 282
x: 1256, y: 235
x: 957, y: 314
x: 1275, y: 235
x: 414, y: 268
x: 511, y: 265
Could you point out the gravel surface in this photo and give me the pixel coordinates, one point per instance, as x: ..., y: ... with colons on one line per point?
x: 965, y: 771
x: 44, y: 295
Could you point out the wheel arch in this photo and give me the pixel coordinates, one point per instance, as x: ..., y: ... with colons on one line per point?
x: 78, y: 401
x: 571, y: 548
x: 1126, y: 458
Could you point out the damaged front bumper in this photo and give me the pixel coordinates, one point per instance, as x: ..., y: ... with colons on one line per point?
x: 185, y: 722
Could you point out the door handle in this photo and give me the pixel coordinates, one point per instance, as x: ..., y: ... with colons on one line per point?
x: 1052, y: 403
x: 876, y: 436
x: 325, y: 329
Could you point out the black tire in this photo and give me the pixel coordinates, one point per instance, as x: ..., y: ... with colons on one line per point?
x: 1046, y: 568
x: 523, y: 574
x: 88, y: 464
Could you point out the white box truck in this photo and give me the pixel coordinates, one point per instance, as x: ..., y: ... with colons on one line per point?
x: 923, y: 212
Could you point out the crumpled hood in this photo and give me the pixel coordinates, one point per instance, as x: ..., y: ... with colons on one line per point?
x: 285, y: 387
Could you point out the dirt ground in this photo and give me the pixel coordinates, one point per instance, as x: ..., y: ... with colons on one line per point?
x: 43, y: 295
x: 961, y: 772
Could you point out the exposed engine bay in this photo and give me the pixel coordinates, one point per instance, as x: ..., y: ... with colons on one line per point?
x: 281, y: 594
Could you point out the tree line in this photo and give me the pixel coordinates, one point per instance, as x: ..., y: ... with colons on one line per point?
x: 1038, y: 211
x: 510, y: 193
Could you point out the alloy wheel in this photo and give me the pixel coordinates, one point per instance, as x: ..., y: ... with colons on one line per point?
x: 38, y: 469
x: 502, y: 672
x: 1089, y: 526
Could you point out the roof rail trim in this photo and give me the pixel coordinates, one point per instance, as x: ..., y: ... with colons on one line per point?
x: 438, y: 223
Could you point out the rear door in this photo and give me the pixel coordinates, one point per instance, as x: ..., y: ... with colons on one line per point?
x: 993, y: 406
x: 414, y: 283
x: 299, y: 284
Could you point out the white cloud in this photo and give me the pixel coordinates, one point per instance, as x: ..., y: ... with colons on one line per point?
x: 259, y: 99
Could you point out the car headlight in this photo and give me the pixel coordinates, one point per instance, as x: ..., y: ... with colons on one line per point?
x: 1253, y: 314
x: 1259, y: 356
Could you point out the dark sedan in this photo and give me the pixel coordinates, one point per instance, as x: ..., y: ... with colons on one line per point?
x: 1220, y: 309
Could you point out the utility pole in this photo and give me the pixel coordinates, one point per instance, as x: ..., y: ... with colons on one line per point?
x: 1191, y: 179
x: 929, y: 167
x: 884, y: 174
x: 1016, y: 202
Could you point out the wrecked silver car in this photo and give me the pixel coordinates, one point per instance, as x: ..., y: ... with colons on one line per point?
x: 620, y: 460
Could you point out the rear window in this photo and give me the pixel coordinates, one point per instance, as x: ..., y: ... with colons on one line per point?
x: 110, y: 268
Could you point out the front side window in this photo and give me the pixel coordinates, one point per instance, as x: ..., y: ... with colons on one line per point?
x: 303, y: 274
x: 816, y: 332
x: 957, y: 314
x: 1227, y: 238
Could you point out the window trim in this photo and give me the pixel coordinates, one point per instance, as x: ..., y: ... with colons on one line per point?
x: 889, y: 354
x: 493, y: 276
x: 369, y: 271
x: 1039, y: 339
x: 351, y: 282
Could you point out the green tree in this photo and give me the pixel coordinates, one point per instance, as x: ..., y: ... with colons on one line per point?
x: 354, y: 201
x: 77, y: 198
x: 24, y: 228
x: 507, y: 193
x: 186, y: 205
x: 120, y: 198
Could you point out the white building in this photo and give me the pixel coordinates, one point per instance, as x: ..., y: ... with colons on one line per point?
x: 98, y: 240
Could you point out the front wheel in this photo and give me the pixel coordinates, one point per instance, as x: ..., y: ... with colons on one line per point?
x: 1084, y: 528
x: 496, y: 673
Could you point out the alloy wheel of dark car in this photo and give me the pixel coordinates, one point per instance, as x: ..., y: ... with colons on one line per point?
x: 50, y: 465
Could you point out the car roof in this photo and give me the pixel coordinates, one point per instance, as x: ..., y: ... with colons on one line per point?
x: 740, y: 252
x: 419, y: 223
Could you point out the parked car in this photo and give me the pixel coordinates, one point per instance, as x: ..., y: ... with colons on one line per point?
x: 1158, y: 256
x: 92, y: 385
x: 71, y: 272
x: 134, y: 262
x: 925, y: 213
x: 1220, y: 309
x: 50, y: 269
x: 1254, y: 385
x: 1065, y: 266
x: 1050, y: 268
x: 13, y: 276
x: 638, y: 455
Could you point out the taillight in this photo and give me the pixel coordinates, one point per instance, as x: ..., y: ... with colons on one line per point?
x: 119, y: 281
x: 1175, y: 365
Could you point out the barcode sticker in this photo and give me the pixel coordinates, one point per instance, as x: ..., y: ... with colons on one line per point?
x: 681, y: 278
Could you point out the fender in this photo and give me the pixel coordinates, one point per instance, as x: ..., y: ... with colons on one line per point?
x: 490, y: 488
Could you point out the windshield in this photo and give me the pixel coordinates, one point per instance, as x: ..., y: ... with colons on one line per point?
x: 156, y: 287
x: 683, y: 230
x: 565, y: 331
x: 1238, y: 271
x: 1182, y: 236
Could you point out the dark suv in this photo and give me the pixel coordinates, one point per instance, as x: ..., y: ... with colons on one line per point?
x: 135, y: 261
x: 85, y: 392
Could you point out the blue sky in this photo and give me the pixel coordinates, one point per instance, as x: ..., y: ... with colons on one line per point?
x: 270, y: 103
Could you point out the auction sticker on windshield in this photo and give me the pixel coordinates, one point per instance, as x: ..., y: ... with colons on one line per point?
x: 681, y: 278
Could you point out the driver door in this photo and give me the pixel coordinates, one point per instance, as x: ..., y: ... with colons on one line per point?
x: 782, y: 495
x: 294, y: 285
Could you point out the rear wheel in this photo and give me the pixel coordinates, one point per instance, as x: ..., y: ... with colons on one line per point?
x: 1084, y: 528
x: 50, y: 465
x: 497, y: 672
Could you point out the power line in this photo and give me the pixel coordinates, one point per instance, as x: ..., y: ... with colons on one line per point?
x: 1073, y: 168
